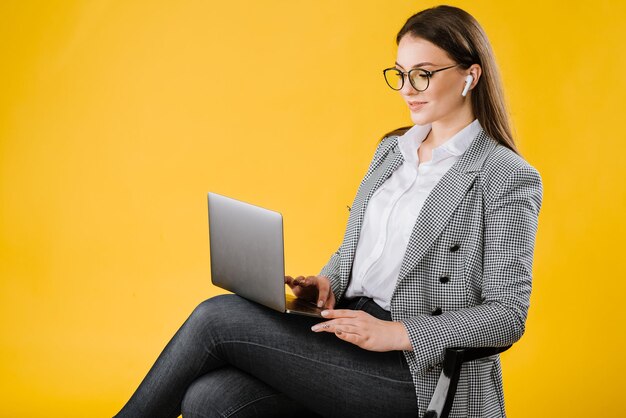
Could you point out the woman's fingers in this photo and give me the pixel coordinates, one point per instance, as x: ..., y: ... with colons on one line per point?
x: 332, y: 326
x: 303, y: 288
x: 349, y: 330
x: 289, y: 281
x: 322, y: 289
x: 366, y: 331
x: 314, y: 288
x: 341, y: 313
x: 349, y: 324
x: 325, y: 297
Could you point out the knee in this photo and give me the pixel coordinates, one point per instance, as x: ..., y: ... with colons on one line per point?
x: 213, y: 307
x: 229, y: 392
x: 201, y: 399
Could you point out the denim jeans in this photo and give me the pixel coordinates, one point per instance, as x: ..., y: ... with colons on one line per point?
x: 235, y: 358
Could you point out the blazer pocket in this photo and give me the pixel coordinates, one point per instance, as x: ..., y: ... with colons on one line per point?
x: 448, y: 287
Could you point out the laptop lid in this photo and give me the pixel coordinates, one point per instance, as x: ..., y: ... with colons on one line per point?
x: 247, y: 250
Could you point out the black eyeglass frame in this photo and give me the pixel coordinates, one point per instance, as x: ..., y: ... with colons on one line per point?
x: 425, y: 73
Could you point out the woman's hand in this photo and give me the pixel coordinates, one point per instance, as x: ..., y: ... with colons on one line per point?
x: 364, y: 330
x: 315, y: 289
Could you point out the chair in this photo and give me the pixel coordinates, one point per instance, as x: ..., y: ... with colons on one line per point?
x: 441, y: 402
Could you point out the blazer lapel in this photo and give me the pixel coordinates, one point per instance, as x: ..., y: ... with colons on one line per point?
x: 372, y: 181
x: 443, y: 200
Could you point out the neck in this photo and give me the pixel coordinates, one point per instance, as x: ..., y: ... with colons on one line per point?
x: 446, y: 128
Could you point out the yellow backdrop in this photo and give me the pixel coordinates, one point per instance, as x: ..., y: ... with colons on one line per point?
x: 116, y: 118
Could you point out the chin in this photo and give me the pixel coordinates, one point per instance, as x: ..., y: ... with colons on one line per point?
x: 419, y: 118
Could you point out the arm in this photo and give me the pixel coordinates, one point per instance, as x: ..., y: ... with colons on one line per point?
x: 331, y: 269
x: 510, y: 225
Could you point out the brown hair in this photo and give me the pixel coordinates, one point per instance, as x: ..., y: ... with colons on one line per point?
x: 459, y: 34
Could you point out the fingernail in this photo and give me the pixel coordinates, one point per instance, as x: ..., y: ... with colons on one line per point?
x: 320, y: 303
x: 315, y: 327
x: 325, y: 313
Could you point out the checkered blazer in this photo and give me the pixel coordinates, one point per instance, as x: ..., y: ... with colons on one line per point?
x: 465, y: 279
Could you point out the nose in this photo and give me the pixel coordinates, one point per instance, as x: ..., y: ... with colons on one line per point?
x: 407, y: 87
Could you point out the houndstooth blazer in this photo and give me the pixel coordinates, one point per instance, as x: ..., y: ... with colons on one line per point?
x: 465, y: 279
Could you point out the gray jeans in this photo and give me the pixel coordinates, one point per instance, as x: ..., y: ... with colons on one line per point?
x: 235, y: 358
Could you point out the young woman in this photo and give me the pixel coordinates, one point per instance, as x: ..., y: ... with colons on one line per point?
x: 437, y: 253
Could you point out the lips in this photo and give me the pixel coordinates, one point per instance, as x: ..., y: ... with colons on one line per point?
x: 415, y: 105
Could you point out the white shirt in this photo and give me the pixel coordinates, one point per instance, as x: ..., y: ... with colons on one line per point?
x: 393, y: 209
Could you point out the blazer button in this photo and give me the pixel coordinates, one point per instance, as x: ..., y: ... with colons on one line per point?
x: 455, y: 248
x: 444, y: 279
x: 437, y: 311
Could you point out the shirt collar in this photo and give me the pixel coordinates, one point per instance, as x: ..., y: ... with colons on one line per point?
x: 454, y: 146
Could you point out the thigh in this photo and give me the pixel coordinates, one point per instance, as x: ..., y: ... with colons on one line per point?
x: 328, y: 375
x: 231, y: 393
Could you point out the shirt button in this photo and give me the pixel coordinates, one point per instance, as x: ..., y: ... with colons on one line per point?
x: 444, y: 279
x: 437, y: 311
x: 455, y: 248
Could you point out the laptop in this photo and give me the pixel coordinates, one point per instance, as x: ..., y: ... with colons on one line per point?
x: 247, y: 254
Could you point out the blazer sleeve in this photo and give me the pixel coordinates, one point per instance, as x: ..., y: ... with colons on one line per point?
x: 331, y: 269
x: 510, y: 226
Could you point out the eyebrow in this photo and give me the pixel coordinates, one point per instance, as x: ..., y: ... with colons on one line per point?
x: 421, y: 64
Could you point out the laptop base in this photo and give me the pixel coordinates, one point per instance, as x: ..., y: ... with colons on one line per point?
x: 294, y: 305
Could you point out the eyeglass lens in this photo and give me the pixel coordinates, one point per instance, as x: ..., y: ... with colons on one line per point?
x: 419, y: 79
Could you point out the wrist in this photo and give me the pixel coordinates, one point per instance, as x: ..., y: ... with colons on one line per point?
x: 402, y: 341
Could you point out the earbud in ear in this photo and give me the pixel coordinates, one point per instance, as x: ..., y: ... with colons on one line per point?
x: 468, y: 82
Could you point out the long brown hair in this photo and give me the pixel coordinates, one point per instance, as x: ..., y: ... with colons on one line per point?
x: 459, y: 34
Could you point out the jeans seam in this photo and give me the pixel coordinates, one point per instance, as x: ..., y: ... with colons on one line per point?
x: 203, y: 415
x: 233, y: 410
x: 360, y: 303
x: 316, y: 361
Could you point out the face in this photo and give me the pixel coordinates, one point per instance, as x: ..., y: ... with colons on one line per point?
x: 442, y: 100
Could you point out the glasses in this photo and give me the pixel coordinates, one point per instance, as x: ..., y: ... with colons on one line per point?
x: 418, y: 77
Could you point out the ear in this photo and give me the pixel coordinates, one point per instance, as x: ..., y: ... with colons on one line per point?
x: 476, y: 71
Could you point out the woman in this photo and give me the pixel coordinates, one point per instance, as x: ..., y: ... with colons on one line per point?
x: 437, y: 253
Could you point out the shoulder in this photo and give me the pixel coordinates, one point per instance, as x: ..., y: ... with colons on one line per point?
x: 503, y: 159
x: 506, y: 173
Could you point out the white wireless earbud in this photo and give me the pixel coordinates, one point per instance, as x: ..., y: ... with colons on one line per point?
x: 468, y: 82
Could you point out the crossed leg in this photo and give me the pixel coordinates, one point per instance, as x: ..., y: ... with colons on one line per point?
x: 230, y: 392
x: 235, y: 358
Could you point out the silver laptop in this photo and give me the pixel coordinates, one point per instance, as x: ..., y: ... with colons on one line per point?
x: 247, y: 254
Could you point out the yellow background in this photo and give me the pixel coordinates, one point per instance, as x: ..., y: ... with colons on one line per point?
x: 116, y: 118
